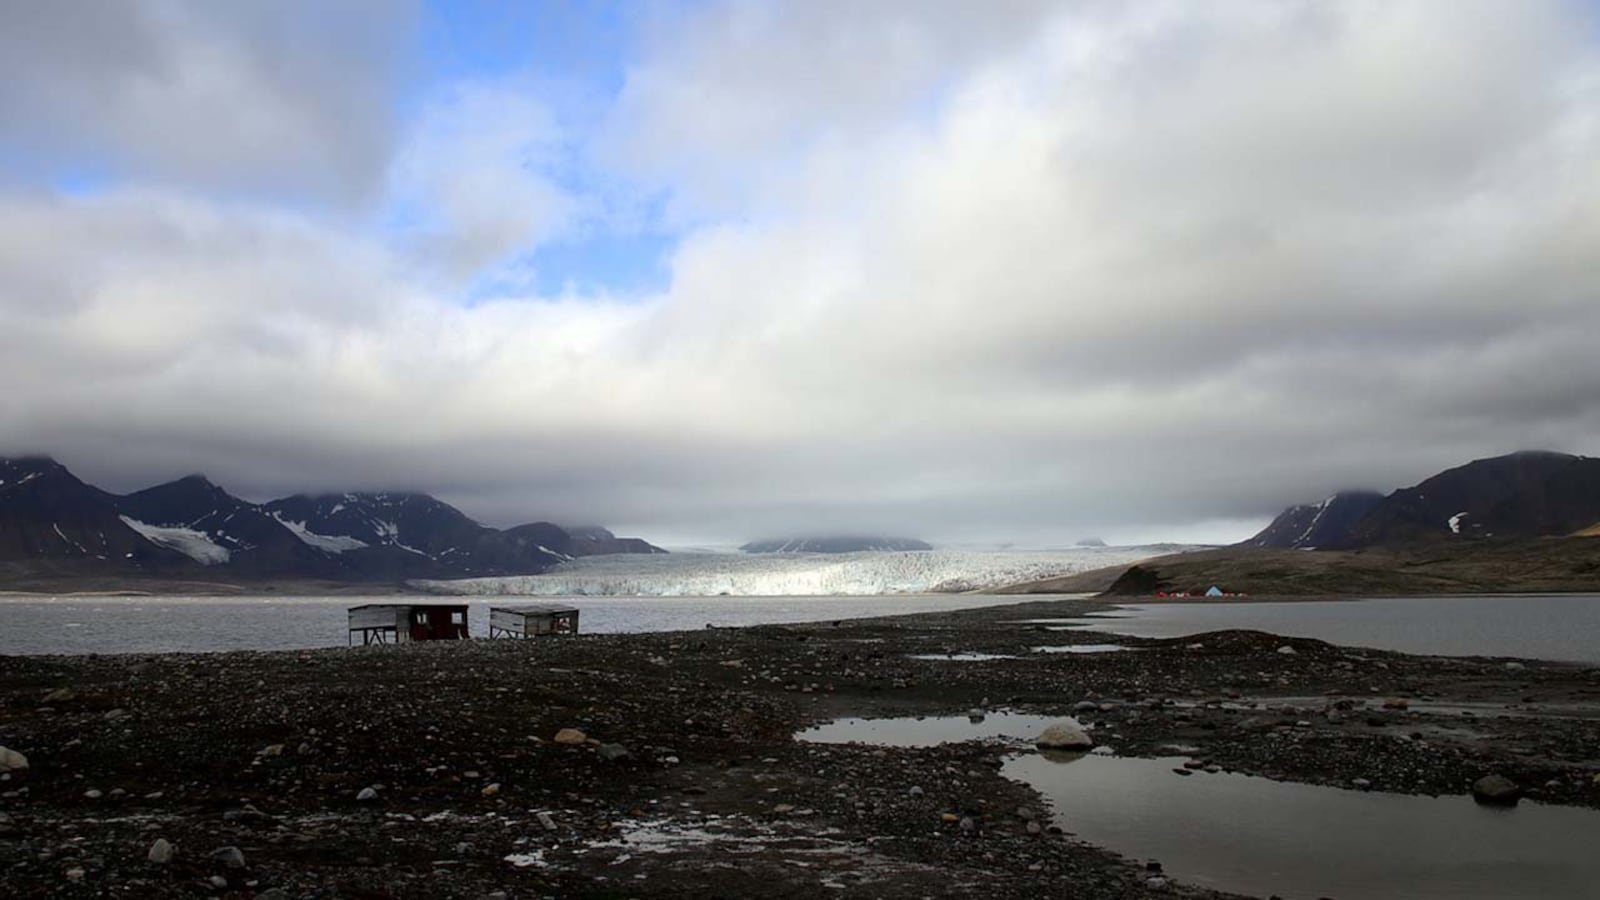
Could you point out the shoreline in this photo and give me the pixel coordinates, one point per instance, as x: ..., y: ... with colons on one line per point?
x: 267, y: 751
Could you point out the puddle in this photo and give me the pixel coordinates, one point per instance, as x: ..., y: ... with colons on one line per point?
x: 1082, y: 648
x: 962, y: 657
x: 930, y: 731
x: 1260, y: 837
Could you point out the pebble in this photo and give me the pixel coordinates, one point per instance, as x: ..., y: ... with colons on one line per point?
x: 489, y: 790
x: 366, y: 794
x: 230, y: 857
x: 1287, y: 650
x: 613, y: 752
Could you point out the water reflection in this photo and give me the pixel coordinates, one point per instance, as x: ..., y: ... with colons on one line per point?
x: 1255, y: 836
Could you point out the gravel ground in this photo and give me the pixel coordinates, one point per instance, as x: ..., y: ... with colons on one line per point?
x: 443, y: 770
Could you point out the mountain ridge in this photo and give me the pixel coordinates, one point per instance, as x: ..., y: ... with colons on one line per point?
x: 192, y: 527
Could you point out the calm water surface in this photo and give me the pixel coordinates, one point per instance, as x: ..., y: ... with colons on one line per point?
x: 78, y: 625
x: 1564, y: 627
x: 1260, y: 837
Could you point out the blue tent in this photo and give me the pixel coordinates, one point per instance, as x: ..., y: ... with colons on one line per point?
x: 1214, y: 592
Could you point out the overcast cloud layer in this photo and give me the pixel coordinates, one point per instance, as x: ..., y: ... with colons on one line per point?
x: 1009, y: 271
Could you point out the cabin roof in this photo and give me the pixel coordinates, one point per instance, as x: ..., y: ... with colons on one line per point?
x: 409, y: 606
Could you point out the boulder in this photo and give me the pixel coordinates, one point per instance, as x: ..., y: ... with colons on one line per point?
x: 1496, y: 789
x: 1064, y: 736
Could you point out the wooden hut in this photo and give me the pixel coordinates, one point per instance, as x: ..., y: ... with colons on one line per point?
x: 532, y: 620
x: 400, y: 623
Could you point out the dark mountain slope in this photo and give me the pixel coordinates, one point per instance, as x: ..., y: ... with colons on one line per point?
x: 1528, y: 494
x: 407, y: 535
x: 1313, y: 525
x: 192, y: 512
x: 47, y: 513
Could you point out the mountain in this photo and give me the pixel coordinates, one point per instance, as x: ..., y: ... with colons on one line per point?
x: 53, y: 524
x: 1527, y: 494
x: 833, y: 544
x: 197, y: 518
x: 592, y: 540
x: 1313, y: 525
x: 47, y: 513
x: 408, y: 535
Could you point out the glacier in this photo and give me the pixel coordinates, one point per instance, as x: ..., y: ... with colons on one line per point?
x: 196, y: 545
x: 701, y: 574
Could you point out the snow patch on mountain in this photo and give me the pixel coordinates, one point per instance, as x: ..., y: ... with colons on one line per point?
x: 332, y: 543
x: 196, y: 545
x: 768, y: 575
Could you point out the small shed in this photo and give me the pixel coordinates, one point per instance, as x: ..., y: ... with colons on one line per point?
x: 532, y: 620
x: 401, y: 623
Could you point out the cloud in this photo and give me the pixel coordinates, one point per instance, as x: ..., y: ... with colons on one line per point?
x: 1058, y: 270
x: 269, y: 97
x: 480, y: 177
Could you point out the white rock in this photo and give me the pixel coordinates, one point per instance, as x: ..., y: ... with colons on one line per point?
x: 1064, y: 736
x: 12, y: 761
x: 367, y: 794
x: 1287, y: 650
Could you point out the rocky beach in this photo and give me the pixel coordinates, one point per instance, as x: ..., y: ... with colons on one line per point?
x: 667, y: 765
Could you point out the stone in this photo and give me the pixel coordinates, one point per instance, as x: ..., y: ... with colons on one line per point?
x: 489, y: 790
x: 367, y: 794
x: 229, y: 857
x: 545, y: 821
x: 1360, y: 783
x: 12, y: 761
x: 914, y: 791
x: 271, y: 750
x: 1064, y: 736
x: 60, y: 695
x: 570, y: 737
x: 218, y: 882
x: 93, y: 794
x: 1287, y: 650
x: 161, y: 852
x: 612, y: 752
x: 1496, y: 789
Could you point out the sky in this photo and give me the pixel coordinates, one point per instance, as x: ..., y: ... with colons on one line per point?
x: 705, y: 270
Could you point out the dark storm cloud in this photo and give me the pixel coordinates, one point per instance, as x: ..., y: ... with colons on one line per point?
x: 1093, y: 268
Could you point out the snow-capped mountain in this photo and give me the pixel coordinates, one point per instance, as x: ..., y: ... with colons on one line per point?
x: 1312, y: 525
x: 184, y: 526
x: 211, y: 526
x: 47, y: 513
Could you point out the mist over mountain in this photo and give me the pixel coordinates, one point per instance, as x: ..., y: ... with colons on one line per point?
x: 1527, y: 494
x: 834, y: 544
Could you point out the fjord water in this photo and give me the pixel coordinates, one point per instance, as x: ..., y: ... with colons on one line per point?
x: 1260, y: 837
x: 78, y: 625
x: 1561, y: 627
